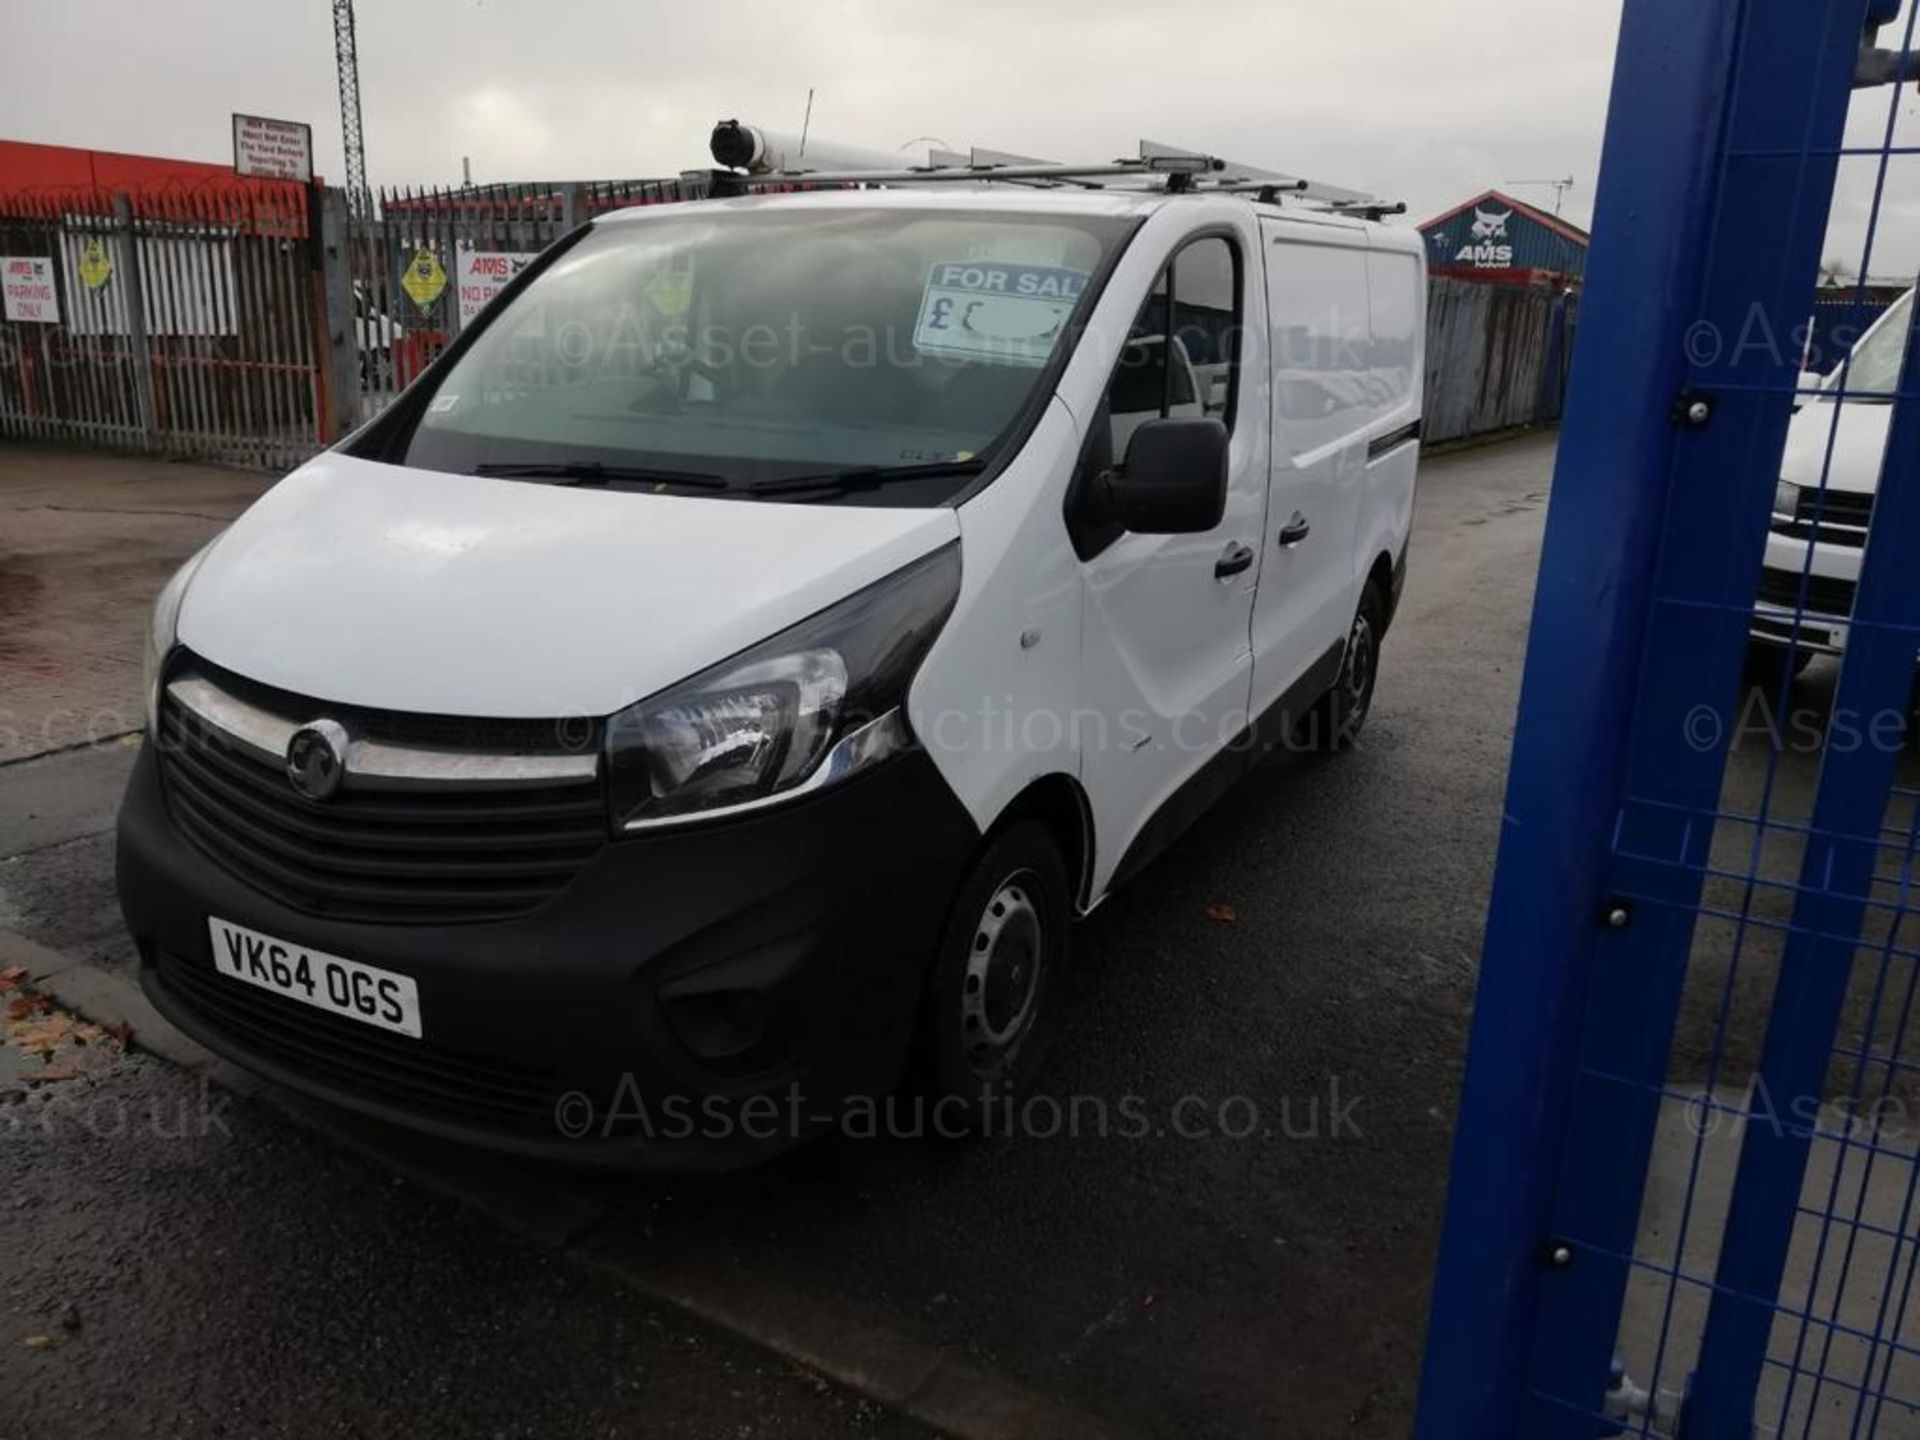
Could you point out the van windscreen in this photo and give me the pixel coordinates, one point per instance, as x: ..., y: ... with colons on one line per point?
x: 1873, y: 375
x: 754, y: 350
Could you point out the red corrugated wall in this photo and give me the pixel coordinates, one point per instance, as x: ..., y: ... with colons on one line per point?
x: 27, y: 169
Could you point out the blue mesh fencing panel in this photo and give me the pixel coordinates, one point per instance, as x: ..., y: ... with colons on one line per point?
x: 1686, y: 1196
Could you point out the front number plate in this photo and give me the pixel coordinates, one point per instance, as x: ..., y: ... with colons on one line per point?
x: 326, y: 982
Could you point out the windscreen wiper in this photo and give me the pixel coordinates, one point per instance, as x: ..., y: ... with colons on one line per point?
x: 865, y: 477
x: 594, y: 472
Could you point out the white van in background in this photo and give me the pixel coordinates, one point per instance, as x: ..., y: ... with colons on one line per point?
x: 1819, y: 531
x: 727, y: 671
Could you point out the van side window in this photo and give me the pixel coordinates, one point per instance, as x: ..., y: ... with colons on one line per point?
x: 1399, y: 326
x: 1183, y: 351
x: 1206, y: 320
x: 1322, y: 343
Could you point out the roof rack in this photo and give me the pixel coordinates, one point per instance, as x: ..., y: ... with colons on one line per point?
x: 1374, y: 210
x: 758, y: 159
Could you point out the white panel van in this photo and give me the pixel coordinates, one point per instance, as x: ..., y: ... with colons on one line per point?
x: 1823, y: 505
x: 725, y: 674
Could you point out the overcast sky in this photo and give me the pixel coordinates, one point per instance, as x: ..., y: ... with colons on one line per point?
x: 1430, y: 102
x: 1408, y: 98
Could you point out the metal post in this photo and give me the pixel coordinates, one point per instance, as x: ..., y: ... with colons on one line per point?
x: 1714, y: 200
x: 1596, y: 575
x: 336, y: 284
x: 575, y: 209
x: 133, y: 305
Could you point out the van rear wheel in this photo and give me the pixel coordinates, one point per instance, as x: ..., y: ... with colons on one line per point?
x: 1336, y: 719
x: 999, y: 978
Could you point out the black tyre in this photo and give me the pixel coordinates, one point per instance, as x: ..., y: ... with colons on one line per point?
x: 1772, y: 667
x: 1337, y: 718
x: 999, y: 978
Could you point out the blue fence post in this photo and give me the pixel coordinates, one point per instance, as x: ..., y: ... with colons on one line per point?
x: 1589, y: 618
x: 1721, y: 158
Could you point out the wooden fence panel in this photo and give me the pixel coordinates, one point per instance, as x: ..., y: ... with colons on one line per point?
x: 1496, y: 357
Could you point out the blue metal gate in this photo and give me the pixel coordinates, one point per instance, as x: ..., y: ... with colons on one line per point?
x: 1686, y: 1189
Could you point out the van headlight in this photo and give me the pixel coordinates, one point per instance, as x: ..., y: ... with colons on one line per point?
x: 817, y: 703
x: 163, y: 631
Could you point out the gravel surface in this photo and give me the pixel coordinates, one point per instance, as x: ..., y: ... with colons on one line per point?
x: 179, y: 1263
x: 86, y: 542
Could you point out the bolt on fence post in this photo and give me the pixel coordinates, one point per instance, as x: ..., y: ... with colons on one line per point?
x: 133, y: 306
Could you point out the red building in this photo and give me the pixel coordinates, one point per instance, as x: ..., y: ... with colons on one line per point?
x: 41, y: 172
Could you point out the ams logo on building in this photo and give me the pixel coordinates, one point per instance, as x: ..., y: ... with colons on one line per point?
x: 1494, y: 236
x: 1489, y: 248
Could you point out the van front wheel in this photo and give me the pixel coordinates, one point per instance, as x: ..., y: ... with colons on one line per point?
x: 1334, y: 723
x: 999, y: 979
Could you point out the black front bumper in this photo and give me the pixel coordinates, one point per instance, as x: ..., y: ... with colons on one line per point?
x: 693, y: 999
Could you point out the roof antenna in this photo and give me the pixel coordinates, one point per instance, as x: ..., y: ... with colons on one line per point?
x: 1560, y: 188
x: 806, y: 124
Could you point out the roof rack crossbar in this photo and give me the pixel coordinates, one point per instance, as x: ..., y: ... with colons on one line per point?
x: 1366, y: 209
x: 754, y: 160
x: 922, y: 174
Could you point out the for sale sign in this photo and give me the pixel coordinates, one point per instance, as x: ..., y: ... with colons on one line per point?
x: 272, y: 149
x: 483, y: 274
x: 26, y: 283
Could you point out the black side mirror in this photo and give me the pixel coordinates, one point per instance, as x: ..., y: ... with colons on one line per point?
x: 1173, y: 482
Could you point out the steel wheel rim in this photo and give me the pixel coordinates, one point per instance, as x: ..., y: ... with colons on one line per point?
x: 1000, y: 993
x: 1360, y: 662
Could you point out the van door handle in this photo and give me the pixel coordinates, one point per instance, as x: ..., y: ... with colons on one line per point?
x: 1236, y: 559
x: 1297, y: 529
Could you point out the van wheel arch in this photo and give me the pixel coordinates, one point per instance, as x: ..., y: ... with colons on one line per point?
x: 1381, y: 578
x: 1058, y: 802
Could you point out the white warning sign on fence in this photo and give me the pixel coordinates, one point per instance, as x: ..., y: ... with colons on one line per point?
x: 26, y: 282
x: 272, y: 149
x: 482, y: 274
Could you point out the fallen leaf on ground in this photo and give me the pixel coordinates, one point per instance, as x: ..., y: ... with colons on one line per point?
x: 12, y: 976
x: 46, y: 1035
x: 1222, y: 914
x: 123, y: 1033
x: 50, y: 1074
x: 39, y: 1342
x: 21, y: 1006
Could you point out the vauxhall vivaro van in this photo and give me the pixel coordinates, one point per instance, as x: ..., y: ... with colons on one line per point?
x: 725, y: 674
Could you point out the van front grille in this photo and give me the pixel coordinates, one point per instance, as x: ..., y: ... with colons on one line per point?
x: 1825, y: 595
x: 443, y: 854
x: 416, y: 1076
x: 1843, y: 518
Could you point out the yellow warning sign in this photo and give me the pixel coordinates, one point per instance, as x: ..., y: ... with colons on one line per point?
x: 96, y: 265
x: 671, y: 292
x: 425, y: 278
